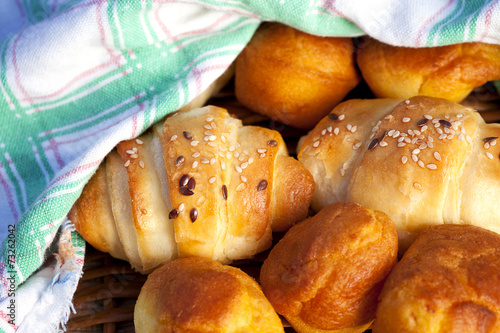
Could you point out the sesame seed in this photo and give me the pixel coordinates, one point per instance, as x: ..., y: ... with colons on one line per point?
x: 430, y: 144
x: 204, y: 161
x: 416, y: 151
x: 407, y: 139
x: 354, y: 129
x: 141, y: 164
x: 404, y: 159
x: 349, y: 126
x: 193, y: 214
x: 130, y: 152
x: 212, y: 144
x: 342, y: 172
x: 127, y: 163
x: 243, y: 178
x: 396, y: 134
x: 238, y: 168
x: 181, y: 207
x: 246, y: 152
x: 205, y: 138
x: 323, y: 132
x: 407, y: 101
x: 194, y: 143
x: 436, y: 125
x: 383, y: 144
x: 208, y: 127
x: 336, y: 131
x: 341, y: 117
x: 261, y: 150
x: 461, y: 137
x: 468, y: 138
x: 424, y: 128
x: 417, y: 186
x: 329, y: 128
x: 442, y: 136
x: 391, y: 132
x: 357, y: 145
x: 447, y: 116
x: 196, y: 154
x: 440, y: 131
x: 250, y: 160
x: 414, y: 158
x: 449, y: 137
x: 224, y: 192
x: 421, y: 164
x: 374, y: 129
x: 213, y: 125
x: 139, y: 141
x: 460, y: 115
x: 490, y: 155
x: 209, y: 119
x: 401, y: 144
x: 445, y: 123
x: 316, y: 144
x: 241, y: 158
x: 174, y: 213
x: 241, y: 187
x: 262, y: 185
x: 388, y: 117
x: 180, y: 160
x: 435, y: 121
x: 406, y: 119
x: 236, y: 154
x: 223, y: 138
x: 437, y: 156
x: 212, y: 138
x: 195, y: 164
x: 231, y: 148
x: 212, y: 180
x: 244, y: 165
x: 345, y: 166
x: 422, y: 146
x: 223, y: 165
x: 173, y: 137
x: 431, y: 166
x: 373, y: 144
x: 262, y: 155
x: 416, y: 132
x: 212, y: 161
x: 333, y: 116
x: 134, y: 156
x: 492, y: 143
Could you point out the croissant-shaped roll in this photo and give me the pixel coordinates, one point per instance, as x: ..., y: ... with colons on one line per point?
x: 200, y: 185
x: 423, y: 161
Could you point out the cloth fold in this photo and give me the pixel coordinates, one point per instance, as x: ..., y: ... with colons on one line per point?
x: 79, y: 76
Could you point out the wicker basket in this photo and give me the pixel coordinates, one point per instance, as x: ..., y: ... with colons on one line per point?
x: 106, y: 295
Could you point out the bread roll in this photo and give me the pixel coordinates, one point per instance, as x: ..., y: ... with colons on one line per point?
x: 200, y: 185
x: 423, y: 161
x: 447, y: 281
x: 201, y: 295
x: 449, y: 72
x: 325, y: 274
x: 294, y: 77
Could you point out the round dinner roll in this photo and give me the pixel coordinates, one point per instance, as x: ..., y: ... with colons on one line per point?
x: 326, y: 273
x: 447, y: 281
x: 294, y: 77
x: 449, y: 72
x: 201, y: 295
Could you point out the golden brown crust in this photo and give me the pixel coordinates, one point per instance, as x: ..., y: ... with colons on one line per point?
x: 327, y: 271
x: 419, y: 174
x: 92, y: 212
x: 449, y: 72
x: 201, y: 295
x: 294, y: 77
x: 447, y: 281
x: 156, y: 219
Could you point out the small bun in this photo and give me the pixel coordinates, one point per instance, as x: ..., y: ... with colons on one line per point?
x: 326, y: 273
x: 447, y: 281
x: 201, y: 295
x: 449, y: 72
x: 294, y: 77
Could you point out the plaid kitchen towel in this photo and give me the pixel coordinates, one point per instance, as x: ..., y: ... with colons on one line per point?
x: 77, y: 77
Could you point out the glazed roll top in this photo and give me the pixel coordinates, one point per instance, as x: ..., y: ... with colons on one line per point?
x: 423, y: 161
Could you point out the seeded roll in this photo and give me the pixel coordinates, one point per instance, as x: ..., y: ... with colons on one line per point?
x: 201, y: 295
x: 450, y: 72
x: 423, y: 161
x: 294, y: 77
x: 447, y: 281
x: 326, y: 273
x: 201, y: 184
